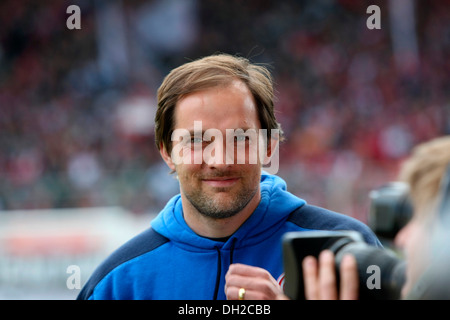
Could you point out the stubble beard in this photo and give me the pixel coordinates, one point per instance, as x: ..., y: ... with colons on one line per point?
x: 213, y: 208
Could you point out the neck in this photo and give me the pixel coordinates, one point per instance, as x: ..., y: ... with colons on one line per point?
x: 217, y: 228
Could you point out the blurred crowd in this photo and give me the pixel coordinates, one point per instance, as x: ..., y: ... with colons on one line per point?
x: 77, y: 106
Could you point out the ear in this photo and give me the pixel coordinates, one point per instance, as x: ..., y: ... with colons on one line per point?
x: 272, y: 150
x: 271, y: 159
x: 166, y: 157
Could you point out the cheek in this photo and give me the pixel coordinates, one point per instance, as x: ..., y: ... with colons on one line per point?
x: 413, y: 239
x: 185, y: 155
x: 188, y: 172
x: 253, y: 173
x: 417, y: 247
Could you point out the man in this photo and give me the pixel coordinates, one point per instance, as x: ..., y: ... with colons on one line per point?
x: 220, y: 238
x: 424, y: 239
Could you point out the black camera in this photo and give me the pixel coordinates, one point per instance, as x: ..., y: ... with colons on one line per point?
x: 381, y: 273
x: 390, y: 209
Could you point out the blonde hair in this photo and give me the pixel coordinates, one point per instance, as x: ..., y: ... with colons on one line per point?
x: 208, y: 72
x: 424, y: 170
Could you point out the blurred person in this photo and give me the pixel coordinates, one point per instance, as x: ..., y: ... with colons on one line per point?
x: 220, y: 237
x: 424, y: 239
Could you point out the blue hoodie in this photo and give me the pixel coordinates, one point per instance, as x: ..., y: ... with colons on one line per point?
x: 170, y: 261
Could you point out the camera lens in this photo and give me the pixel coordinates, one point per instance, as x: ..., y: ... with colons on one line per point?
x: 381, y: 273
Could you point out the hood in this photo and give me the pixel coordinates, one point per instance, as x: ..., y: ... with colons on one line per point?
x: 273, y: 210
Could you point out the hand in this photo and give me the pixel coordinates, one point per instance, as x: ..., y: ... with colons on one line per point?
x: 257, y: 282
x: 320, y: 278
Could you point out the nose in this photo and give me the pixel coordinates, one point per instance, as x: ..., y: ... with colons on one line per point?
x: 402, y: 236
x: 216, y: 155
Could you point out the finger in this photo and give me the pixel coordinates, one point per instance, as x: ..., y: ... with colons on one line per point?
x: 282, y: 297
x: 238, y: 281
x: 327, y: 276
x: 232, y: 293
x: 309, y: 266
x: 266, y: 289
x: 246, y: 270
x: 249, y: 272
x: 349, y: 278
x: 256, y: 280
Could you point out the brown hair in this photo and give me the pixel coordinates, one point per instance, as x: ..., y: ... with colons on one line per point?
x: 424, y: 170
x: 208, y: 72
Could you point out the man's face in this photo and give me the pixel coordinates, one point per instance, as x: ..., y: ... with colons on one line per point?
x: 414, y: 239
x: 210, y: 180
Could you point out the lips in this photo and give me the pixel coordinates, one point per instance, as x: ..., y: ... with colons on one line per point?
x: 221, y: 182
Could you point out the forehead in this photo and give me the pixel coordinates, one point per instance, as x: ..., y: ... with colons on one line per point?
x: 222, y: 107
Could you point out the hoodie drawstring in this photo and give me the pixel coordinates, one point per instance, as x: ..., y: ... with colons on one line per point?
x: 232, y: 250
x: 219, y: 266
x: 219, y: 271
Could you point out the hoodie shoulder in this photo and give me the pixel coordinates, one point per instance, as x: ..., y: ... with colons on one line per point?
x: 145, y: 242
x: 317, y: 218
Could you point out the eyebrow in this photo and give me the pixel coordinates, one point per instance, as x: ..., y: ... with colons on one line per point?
x: 193, y: 132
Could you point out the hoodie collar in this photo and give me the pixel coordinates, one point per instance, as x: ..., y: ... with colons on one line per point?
x: 274, y: 208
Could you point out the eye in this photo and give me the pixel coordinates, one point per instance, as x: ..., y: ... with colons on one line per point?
x: 196, y: 140
x: 242, y: 138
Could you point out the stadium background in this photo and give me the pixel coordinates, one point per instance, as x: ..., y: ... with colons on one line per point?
x: 77, y: 107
